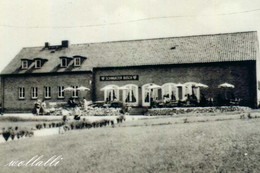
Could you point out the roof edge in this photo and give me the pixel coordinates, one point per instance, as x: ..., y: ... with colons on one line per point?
x: 154, y: 38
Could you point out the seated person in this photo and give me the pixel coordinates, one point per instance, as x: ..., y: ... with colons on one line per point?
x: 193, y: 99
x: 43, y: 107
x: 37, y: 106
x: 71, y: 102
x: 173, y: 98
x: 77, y: 113
x: 86, y: 103
x: 188, y: 99
x: 166, y: 98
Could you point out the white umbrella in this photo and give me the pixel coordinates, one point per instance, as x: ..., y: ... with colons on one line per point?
x: 200, y: 85
x: 154, y: 86
x: 226, y: 85
x: 106, y: 88
x: 82, y: 88
x: 69, y: 89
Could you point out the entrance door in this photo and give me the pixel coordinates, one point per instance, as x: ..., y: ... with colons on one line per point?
x: 146, y: 100
x: 180, y: 94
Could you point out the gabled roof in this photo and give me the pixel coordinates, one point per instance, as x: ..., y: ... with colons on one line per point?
x: 240, y: 46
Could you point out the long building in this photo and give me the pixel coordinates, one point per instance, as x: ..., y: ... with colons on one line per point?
x: 107, y: 68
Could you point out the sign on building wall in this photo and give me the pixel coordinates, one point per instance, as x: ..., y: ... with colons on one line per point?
x: 119, y: 77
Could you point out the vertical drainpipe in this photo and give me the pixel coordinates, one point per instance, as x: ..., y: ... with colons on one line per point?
x: 257, y: 71
x: 257, y: 85
x: 2, y: 93
x: 93, y: 86
x: 252, y: 90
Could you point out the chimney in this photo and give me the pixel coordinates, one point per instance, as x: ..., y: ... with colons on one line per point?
x: 65, y: 43
x: 46, y: 44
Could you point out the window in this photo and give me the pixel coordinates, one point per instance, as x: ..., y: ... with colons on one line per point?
x: 47, y: 92
x: 34, y: 92
x: 169, y: 92
x: 38, y: 63
x: 77, y: 61
x: 21, y: 93
x: 130, y: 95
x: 24, y: 64
x: 111, y: 93
x: 75, y: 92
x: 61, y: 92
x: 155, y: 94
x: 146, y: 95
x: 150, y: 94
x: 64, y: 62
x: 192, y: 90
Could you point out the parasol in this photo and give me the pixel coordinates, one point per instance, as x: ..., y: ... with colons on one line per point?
x: 200, y: 85
x: 226, y: 85
x: 82, y: 88
x: 69, y: 89
x: 107, y: 88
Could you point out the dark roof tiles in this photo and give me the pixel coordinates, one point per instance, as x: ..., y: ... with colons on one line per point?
x: 190, y: 49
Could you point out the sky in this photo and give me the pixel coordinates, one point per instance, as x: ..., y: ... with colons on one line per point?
x: 30, y: 23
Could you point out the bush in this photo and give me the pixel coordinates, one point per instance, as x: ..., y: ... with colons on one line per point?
x: 6, y: 135
x: 174, y: 111
x: 102, y: 111
x: 38, y: 126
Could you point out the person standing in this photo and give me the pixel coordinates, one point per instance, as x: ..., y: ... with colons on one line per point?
x: 85, y: 103
x: 36, y: 109
x: 43, y: 107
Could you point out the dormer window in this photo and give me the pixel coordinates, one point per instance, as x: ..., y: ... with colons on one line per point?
x: 77, y: 61
x: 64, y: 62
x: 25, y: 64
x: 38, y: 63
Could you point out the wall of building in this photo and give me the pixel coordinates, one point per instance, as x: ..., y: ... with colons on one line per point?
x: 12, y: 103
x: 240, y: 74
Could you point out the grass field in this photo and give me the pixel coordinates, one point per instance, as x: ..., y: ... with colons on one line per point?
x: 150, y: 145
